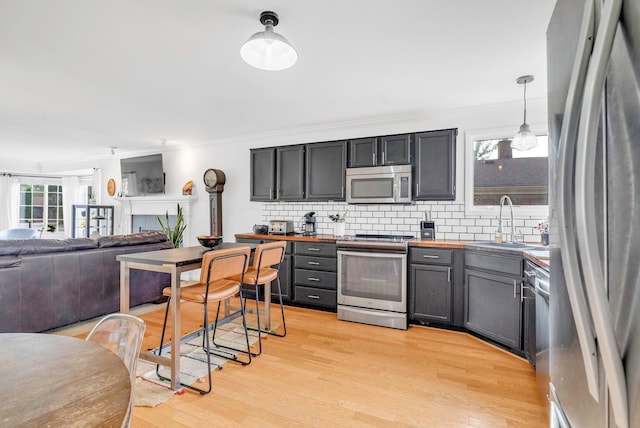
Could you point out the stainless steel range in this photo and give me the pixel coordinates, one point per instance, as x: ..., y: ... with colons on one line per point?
x: 372, y: 279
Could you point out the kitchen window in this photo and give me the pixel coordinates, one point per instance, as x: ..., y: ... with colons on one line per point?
x: 493, y: 169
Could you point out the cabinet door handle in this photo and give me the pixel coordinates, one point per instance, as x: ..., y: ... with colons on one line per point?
x: 515, y: 287
x: 449, y: 275
x: 313, y: 296
x: 314, y: 279
x: 313, y: 249
x: 270, y: 193
x: 430, y: 256
x: 373, y: 158
x: 383, y: 157
x: 521, y: 291
x: 313, y: 263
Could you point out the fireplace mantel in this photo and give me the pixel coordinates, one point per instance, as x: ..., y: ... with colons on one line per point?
x: 156, y: 206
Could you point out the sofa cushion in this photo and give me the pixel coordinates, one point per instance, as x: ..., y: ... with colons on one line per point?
x: 134, y: 239
x: 9, y: 262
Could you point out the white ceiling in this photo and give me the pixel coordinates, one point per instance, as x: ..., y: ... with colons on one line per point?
x: 78, y: 76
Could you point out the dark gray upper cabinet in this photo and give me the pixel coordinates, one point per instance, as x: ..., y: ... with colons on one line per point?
x: 375, y: 151
x: 325, y: 176
x: 363, y: 152
x: 263, y: 174
x: 290, y: 173
x: 435, y: 165
x: 395, y: 149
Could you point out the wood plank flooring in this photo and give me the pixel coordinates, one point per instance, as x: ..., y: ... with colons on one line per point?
x: 330, y: 373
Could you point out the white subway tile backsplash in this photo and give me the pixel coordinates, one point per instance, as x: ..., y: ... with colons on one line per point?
x: 450, y: 219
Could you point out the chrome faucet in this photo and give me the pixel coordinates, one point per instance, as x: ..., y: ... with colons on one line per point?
x: 507, y: 199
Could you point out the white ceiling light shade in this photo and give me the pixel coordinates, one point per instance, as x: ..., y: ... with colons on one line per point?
x: 268, y: 50
x: 525, y: 139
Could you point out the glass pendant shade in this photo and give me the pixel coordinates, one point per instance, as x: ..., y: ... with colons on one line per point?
x: 525, y: 139
x: 268, y: 50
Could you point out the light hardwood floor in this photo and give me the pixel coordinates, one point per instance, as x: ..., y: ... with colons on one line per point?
x: 330, y: 373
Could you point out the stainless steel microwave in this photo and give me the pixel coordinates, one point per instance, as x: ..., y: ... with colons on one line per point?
x: 379, y: 185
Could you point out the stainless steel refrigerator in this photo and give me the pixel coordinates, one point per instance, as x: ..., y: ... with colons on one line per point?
x: 594, y: 131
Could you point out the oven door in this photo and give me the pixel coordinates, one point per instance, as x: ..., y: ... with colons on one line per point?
x: 373, y: 280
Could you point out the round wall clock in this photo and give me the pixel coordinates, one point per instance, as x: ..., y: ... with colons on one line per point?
x: 214, y: 180
x: 111, y: 187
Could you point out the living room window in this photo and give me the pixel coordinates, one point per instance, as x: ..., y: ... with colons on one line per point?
x: 494, y: 169
x: 41, y: 206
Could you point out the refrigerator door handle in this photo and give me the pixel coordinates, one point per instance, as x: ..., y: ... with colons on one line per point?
x: 566, y: 208
x: 592, y: 268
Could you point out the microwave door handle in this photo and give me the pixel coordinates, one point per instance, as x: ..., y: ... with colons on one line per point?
x: 565, y: 207
x: 586, y: 222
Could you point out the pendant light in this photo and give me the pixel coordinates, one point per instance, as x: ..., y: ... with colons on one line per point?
x: 268, y: 50
x: 525, y: 139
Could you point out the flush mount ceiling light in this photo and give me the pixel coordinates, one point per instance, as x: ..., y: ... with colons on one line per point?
x: 268, y: 50
x: 525, y: 139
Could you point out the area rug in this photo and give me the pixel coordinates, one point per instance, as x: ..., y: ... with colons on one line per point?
x: 150, y: 390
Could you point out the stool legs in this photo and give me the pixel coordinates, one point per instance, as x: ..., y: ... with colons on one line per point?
x: 206, y: 345
x: 259, y: 329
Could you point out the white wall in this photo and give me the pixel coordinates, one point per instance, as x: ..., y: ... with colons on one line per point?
x: 239, y: 214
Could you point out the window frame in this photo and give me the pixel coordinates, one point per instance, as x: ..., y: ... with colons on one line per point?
x: 35, y: 181
x: 488, y: 134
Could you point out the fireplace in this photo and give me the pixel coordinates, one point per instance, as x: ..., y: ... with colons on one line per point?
x: 139, y: 214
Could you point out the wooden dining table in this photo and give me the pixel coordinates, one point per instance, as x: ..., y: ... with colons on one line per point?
x: 173, y: 261
x: 49, y: 380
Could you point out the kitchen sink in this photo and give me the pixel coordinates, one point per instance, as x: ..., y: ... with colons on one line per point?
x: 511, y: 245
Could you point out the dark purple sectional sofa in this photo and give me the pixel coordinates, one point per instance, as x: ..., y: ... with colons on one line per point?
x: 46, y: 284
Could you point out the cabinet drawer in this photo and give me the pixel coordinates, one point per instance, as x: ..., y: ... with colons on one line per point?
x: 314, y: 278
x: 316, y: 263
x: 315, y: 249
x: 316, y: 296
x: 432, y: 256
x: 499, y: 263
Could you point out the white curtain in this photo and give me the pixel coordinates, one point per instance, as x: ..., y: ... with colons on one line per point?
x: 71, y: 194
x: 9, y: 197
x: 96, y: 185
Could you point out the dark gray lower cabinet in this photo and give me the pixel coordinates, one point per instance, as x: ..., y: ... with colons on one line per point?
x: 315, y: 278
x: 435, y: 286
x: 431, y: 293
x: 493, y: 306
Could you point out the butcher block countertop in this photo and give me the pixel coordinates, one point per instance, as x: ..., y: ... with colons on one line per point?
x: 290, y: 237
x: 537, y: 256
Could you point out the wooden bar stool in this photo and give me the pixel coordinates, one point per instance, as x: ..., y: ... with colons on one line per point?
x: 264, y: 269
x: 216, y: 285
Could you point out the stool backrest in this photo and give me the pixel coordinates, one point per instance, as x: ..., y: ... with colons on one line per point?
x: 269, y: 254
x: 219, y: 264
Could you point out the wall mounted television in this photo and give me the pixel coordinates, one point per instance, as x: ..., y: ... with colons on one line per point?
x: 142, y: 175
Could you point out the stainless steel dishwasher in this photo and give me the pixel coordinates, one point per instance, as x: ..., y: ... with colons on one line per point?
x: 537, y: 279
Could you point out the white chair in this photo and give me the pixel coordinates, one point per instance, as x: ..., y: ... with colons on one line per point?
x: 19, y: 233
x: 121, y: 334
